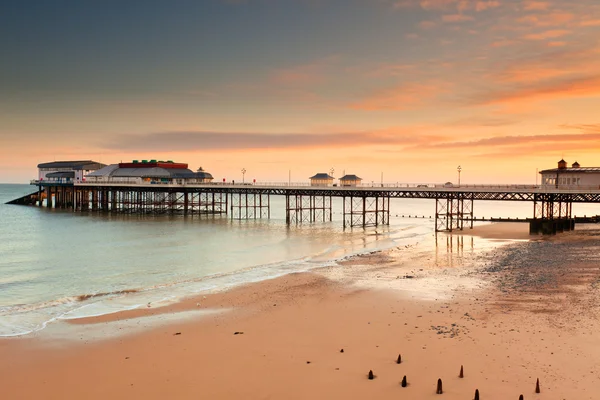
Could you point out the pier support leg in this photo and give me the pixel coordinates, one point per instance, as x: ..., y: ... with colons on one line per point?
x: 300, y: 208
x: 250, y: 205
x: 366, y: 211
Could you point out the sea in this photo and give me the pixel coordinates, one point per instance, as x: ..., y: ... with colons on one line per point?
x: 59, y: 264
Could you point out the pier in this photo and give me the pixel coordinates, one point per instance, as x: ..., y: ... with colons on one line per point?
x: 167, y: 187
x: 363, y: 206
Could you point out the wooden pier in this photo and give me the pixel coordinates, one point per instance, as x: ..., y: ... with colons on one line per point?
x: 362, y: 206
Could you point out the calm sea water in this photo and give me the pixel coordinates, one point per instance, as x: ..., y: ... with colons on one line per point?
x: 56, y: 264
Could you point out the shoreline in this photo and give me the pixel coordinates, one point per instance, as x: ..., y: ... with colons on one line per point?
x: 369, y: 307
x: 489, y: 232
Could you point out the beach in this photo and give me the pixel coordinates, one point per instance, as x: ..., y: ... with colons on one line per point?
x: 519, y: 312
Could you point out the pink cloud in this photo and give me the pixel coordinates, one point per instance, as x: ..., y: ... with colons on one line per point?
x: 456, y: 18
x: 551, y: 34
x: 503, y: 43
x: 484, y: 5
x: 590, y: 22
x: 557, y: 44
x: 436, y: 4
x: 551, y: 19
x: 427, y: 24
x: 536, y: 5
x: 581, y: 86
x: 403, y: 97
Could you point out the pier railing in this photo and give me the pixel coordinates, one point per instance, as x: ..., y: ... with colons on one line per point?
x: 365, y: 186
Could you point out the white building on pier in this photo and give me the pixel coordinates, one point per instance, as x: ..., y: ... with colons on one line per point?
x: 573, y: 177
x: 66, y: 171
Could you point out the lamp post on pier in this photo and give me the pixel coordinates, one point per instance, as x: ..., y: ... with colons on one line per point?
x: 243, y: 175
x: 459, y: 169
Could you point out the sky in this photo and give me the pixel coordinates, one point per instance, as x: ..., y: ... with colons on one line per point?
x: 404, y: 89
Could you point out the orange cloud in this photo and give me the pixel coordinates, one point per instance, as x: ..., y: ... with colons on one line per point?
x: 484, y: 5
x: 551, y: 19
x: 551, y: 34
x: 503, y: 43
x: 590, y: 22
x: 587, y: 86
x: 444, y: 5
x: 404, y: 97
x: 535, y: 5
x: 436, y: 4
x: 557, y: 44
x: 427, y: 24
x: 456, y: 18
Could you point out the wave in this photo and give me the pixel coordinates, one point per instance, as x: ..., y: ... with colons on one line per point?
x: 83, y: 297
x: 22, y: 308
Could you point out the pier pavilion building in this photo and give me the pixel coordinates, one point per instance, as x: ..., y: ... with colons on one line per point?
x: 149, y: 172
x: 350, y: 180
x: 573, y: 177
x: 66, y: 172
x: 321, y: 179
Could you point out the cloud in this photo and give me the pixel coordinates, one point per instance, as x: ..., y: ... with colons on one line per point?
x: 403, y: 97
x: 205, y: 140
x: 557, y: 44
x: 535, y: 5
x: 436, y: 4
x: 551, y: 34
x: 484, y: 5
x: 456, y: 18
x: 427, y: 24
x: 445, y: 5
x: 550, y: 89
x: 479, y: 121
x: 574, y: 141
x: 590, y: 22
x: 549, y: 19
x: 504, y: 43
x: 588, y: 128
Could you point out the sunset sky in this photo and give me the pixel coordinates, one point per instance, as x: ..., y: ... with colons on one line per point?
x: 407, y: 88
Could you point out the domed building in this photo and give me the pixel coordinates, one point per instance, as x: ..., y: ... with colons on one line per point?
x: 149, y: 172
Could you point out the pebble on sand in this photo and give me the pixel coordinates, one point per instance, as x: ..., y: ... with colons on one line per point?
x: 404, y: 383
x: 537, y: 386
x: 461, y: 375
x: 399, y: 360
x: 439, y: 387
x: 371, y: 376
x: 476, y: 394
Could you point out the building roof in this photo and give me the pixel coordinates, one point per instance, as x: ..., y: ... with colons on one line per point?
x: 322, y: 175
x: 114, y: 171
x: 62, y: 174
x: 350, y: 178
x: 571, y: 170
x: 74, y: 165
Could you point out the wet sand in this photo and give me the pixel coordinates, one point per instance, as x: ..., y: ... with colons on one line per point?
x: 501, y: 231
x: 520, y: 312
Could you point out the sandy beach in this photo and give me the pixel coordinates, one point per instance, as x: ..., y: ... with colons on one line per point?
x: 522, y: 311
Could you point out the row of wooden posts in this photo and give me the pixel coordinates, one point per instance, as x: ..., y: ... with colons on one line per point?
x: 439, y: 389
